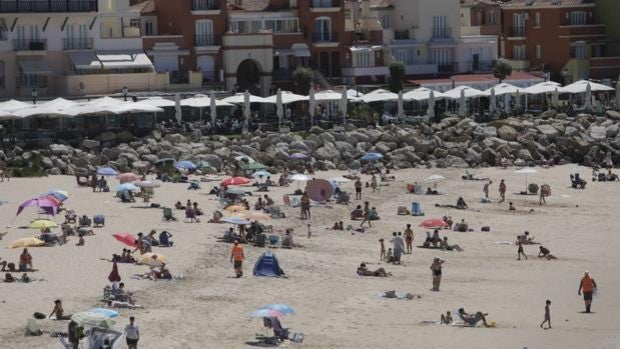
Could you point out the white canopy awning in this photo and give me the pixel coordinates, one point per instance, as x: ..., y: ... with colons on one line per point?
x: 33, y: 65
x: 379, y: 95
x: 239, y: 99
x: 133, y: 107
x: 5, y: 115
x: 503, y: 89
x: 123, y: 60
x: 14, y: 105
x: 581, y: 86
x: 542, y: 87
x: 328, y: 95
x: 301, y: 50
x: 202, y: 101
x: 287, y: 98
x: 157, y: 102
x: 422, y: 94
x: 85, y: 60
x: 455, y: 93
x: 96, y: 106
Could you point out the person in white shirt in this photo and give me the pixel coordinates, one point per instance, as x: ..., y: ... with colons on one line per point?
x: 132, y: 334
x: 399, y: 246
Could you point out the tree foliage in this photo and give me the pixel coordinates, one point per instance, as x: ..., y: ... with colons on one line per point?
x: 303, y: 78
x: 501, y: 70
x: 397, y: 75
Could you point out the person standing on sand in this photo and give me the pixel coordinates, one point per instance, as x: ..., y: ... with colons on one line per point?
x: 237, y: 257
x: 588, y: 286
x: 358, y: 189
x: 436, y: 271
x: 366, y: 215
x: 502, y: 191
x: 547, y: 315
x: 409, y: 239
x: 382, y: 252
x: 485, y: 189
x: 520, y: 250
x: 93, y: 182
x: 132, y: 334
x: 373, y: 183
x: 397, y: 248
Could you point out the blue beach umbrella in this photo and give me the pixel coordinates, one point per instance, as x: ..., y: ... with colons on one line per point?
x: 298, y: 156
x: 261, y: 173
x: 283, y: 308
x: 106, y: 171
x: 266, y: 313
x: 372, y: 157
x: 127, y: 187
x: 58, y: 194
x: 186, y: 165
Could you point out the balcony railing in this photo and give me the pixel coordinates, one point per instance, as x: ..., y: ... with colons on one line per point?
x: 29, y: 44
x: 205, y: 5
x: 77, y: 43
x: 516, y: 32
x: 441, y: 33
x: 31, y: 81
x: 447, y: 67
x: 38, y: 6
x: 402, y: 35
x: 324, y: 3
x: 206, y: 40
x: 325, y: 37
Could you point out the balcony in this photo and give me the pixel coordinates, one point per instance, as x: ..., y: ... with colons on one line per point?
x: 516, y: 32
x: 29, y: 44
x: 325, y: 37
x: 201, y: 40
x: 441, y: 33
x: 38, y: 6
x: 325, y: 5
x: 594, y: 30
x: 77, y: 43
x: 519, y: 64
x: 205, y: 5
x: 31, y: 81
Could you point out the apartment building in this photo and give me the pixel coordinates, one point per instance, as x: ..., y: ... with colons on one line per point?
x: 71, y: 47
x: 562, y: 37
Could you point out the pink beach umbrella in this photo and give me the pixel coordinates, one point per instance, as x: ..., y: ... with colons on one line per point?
x: 433, y: 223
x: 49, y: 206
x: 128, y: 177
x: 126, y: 238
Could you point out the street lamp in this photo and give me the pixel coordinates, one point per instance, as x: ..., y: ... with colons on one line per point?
x: 125, y: 90
x: 34, y: 95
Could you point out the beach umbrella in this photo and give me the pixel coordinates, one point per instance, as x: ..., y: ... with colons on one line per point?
x: 298, y: 156
x: 147, y: 184
x: 455, y: 93
x: 588, y: 101
x: 431, y: 105
x: 339, y: 180
x: 126, y: 187
x: 5, y: 115
x: 432, y: 223
x: 236, y: 181
x: 379, y: 95
x: 319, y: 190
x: 245, y: 158
x: 128, y: 177
x: 27, y: 242
x: 53, y: 199
x: 279, y: 107
x: 400, y: 104
x: 578, y: 87
x: 14, y: 105
x: 235, y: 208
x: 266, y: 313
x: 185, y: 165
x: 526, y: 171
x: 105, y: 311
x: 158, y: 102
x: 92, y: 319
x: 235, y: 220
x: 246, y: 110
x: 236, y: 191
x: 371, y: 156
x: 58, y: 194
x: 311, y: 106
x: 203, y: 164
x: 114, y: 276
x: 283, y: 308
x: 49, y: 206
x: 343, y: 105
x: 177, y: 108
x: 492, y: 102
x: 435, y: 178
x: 462, y: 105
x: 256, y: 216
x: 299, y: 177
x: 42, y: 224
x: 213, y: 109
x: 153, y: 259
x: 106, y: 171
x: 126, y: 239
x: 261, y: 173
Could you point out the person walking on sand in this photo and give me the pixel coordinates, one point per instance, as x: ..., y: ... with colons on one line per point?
x: 588, y: 286
x: 436, y: 272
x: 502, y: 191
x: 358, y: 189
x: 366, y: 215
x: 132, y: 333
x: 547, y: 315
x: 382, y: 252
x: 409, y: 239
x: 373, y: 183
x: 485, y: 189
x: 237, y: 257
x: 520, y: 250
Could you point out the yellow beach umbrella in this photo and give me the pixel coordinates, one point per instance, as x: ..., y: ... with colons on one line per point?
x: 27, y: 242
x: 42, y: 224
x: 153, y: 259
x: 235, y: 208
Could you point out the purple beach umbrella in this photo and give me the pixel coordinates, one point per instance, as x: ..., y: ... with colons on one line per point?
x: 46, y: 205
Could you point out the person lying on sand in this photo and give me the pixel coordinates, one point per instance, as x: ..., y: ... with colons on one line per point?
x: 337, y: 226
x: 473, y: 319
x: 59, y: 311
x: 122, y: 305
x: 430, y: 191
x: 445, y: 246
x: 179, y: 206
x: 448, y: 220
x: 162, y: 274
x: 545, y: 253
x: 363, y: 271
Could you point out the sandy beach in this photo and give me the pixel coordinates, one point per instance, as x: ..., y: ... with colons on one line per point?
x: 335, y: 308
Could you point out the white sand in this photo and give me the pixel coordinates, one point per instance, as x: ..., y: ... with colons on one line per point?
x: 335, y: 308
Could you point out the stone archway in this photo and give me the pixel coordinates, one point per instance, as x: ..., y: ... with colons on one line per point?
x: 248, y: 76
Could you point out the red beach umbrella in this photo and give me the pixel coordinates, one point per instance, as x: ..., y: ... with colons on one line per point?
x: 128, y: 177
x: 236, y: 181
x: 433, y: 223
x: 125, y: 238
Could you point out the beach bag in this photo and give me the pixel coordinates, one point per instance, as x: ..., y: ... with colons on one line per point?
x: 39, y: 316
x: 486, y: 228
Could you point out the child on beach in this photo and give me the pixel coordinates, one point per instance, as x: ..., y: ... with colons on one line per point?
x: 502, y: 191
x: 382, y: 253
x: 547, y: 315
x: 81, y: 240
x: 520, y: 250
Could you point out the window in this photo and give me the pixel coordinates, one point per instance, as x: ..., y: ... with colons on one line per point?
x: 404, y: 55
x: 578, y: 51
x: 363, y: 58
x: 440, y: 56
x: 538, y: 51
x: 322, y: 3
x: 518, y: 52
x: 323, y: 29
x: 518, y: 25
x: 386, y: 22
x: 492, y: 17
x: 578, y: 18
x: 440, y: 29
x: 284, y: 25
x: 204, y: 33
x: 134, y: 22
x: 537, y: 20
x: 148, y: 28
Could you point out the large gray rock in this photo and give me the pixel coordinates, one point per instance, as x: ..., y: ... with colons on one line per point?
x: 507, y: 133
x: 90, y: 143
x: 47, y: 162
x: 327, y: 137
x: 214, y: 160
x: 107, y: 137
x: 140, y: 166
x: 327, y: 152
x: 612, y: 130
x: 223, y: 153
x: 60, y: 149
x: 175, y: 138
x: 548, y: 131
x: 111, y: 153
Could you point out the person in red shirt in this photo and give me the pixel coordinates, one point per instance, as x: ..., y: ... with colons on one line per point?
x: 237, y: 257
x: 588, y: 286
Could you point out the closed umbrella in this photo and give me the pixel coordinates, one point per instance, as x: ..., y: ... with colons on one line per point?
x: 177, y: 108
x: 588, y: 101
x: 401, y: 108
x: 127, y: 177
x: 126, y: 239
x: 246, y: 110
x: 27, y: 242
x: 343, y: 106
x: 153, y: 259
x: 555, y: 98
x: 114, y: 275
x: 213, y: 110
x: 106, y: 171
x: 492, y: 102
x: 279, y: 107
x: 93, y: 319
x: 236, y: 181
x: 311, y: 106
x: 462, y: 105
x: 517, y: 100
x: 431, y: 105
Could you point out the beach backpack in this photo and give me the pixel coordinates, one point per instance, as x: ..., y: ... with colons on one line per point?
x: 38, y: 316
x: 486, y: 228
